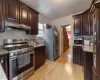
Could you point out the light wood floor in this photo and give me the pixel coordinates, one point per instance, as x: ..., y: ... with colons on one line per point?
x: 61, y: 69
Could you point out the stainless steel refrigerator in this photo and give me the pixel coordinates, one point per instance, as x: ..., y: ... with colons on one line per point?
x: 51, y: 38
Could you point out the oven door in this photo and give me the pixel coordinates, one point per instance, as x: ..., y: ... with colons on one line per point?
x: 19, y: 68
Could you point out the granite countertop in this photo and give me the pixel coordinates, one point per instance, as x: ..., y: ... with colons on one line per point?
x: 38, y: 45
x: 3, y: 51
x: 86, y: 48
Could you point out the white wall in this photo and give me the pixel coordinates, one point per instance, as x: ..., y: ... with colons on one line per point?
x: 63, y: 21
x: 44, y: 20
x: 67, y: 20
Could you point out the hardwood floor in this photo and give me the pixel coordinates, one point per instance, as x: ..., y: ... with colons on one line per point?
x: 61, y: 69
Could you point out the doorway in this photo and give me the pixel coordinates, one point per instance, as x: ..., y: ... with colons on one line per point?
x: 66, y: 37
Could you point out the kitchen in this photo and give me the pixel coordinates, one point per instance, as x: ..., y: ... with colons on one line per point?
x: 25, y: 47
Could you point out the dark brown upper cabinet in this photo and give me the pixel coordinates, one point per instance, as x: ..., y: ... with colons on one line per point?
x: 77, y: 25
x: 34, y: 22
x: 17, y: 12
x: 91, y: 22
x: 2, y: 15
x: 83, y: 23
x: 24, y: 14
x: 12, y: 11
x: 86, y: 23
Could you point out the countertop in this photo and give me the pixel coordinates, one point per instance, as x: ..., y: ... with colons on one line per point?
x: 3, y: 51
x: 86, y: 48
x: 38, y: 45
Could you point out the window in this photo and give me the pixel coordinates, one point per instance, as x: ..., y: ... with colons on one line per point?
x: 40, y: 30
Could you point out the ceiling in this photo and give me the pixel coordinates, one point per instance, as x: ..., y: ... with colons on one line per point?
x: 54, y: 9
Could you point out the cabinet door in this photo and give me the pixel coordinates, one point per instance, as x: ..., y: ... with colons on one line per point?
x: 2, y: 14
x: 88, y: 63
x: 86, y: 25
x: 78, y: 25
x: 81, y: 56
x: 24, y: 15
x: 39, y: 57
x: 77, y: 55
x: 91, y: 23
x: 12, y: 8
x: 94, y: 75
x: 97, y: 41
x: 74, y: 54
x: 98, y: 24
x: 4, y: 63
x: 34, y: 22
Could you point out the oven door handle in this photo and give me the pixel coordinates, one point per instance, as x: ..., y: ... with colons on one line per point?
x: 12, y: 58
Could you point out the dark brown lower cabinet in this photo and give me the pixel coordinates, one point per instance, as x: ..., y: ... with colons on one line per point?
x: 88, y: 63
x: 85, y: 59
x: 78, y: 55
x: 4, y: 63
x: 39, y: 56
x: 2, y: 12
x: 94, y: 75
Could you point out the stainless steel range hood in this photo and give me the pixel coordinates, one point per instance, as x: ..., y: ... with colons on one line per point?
x: 17, y: 26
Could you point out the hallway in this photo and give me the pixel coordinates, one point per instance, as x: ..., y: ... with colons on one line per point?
x: 61, y: 69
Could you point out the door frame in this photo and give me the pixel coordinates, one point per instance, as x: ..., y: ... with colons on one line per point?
x: 63, y: 42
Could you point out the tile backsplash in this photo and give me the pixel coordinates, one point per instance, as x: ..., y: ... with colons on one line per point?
x: 87, y: 37
x: 14, y: 34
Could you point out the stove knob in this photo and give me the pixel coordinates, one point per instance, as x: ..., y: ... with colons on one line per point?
x: 11, y: 54
x: 16, y: 54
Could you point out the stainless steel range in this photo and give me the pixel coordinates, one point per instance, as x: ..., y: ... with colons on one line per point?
x: 21, y: 58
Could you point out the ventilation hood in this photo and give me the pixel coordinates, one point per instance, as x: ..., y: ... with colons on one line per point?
x: 16, y: 26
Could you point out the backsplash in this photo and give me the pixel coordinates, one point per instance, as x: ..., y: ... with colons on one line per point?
x: 14, y: 34
x: 87, y: 37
